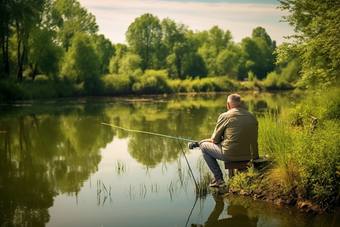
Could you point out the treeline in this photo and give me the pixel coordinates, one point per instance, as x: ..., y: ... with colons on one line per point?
x: 56, y: 44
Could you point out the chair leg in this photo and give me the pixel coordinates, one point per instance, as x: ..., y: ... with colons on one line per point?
x: 230, y: 173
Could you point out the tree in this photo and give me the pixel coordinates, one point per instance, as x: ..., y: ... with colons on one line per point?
x: 219, y: 39
x: 257, y: 54
x: 72, y: 18
x: 129, y: 64
x: 144, y: 38
x: 44, y: 54
x: 317, y: 41
x: 6, y: 18
x: 193, y: 64
x: 260, y: 32
x: 216, y: 41
x: 175, y: 44
x: 120, y: 51
x: 227, y: 62
x: 105, y: 51
x: 81, y: 61
x: 26, y: 16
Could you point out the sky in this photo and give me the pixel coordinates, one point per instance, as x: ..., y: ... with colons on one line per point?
x: 239, y: 16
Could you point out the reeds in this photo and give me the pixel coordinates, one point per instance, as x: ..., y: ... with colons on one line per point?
x: 121, y: 167
x: 103, y: 193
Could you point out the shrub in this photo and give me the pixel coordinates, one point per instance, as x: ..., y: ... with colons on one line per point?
x: 12, y: 90
x: 275, y: 81
x: 152, y: 82
x: 116, y: 84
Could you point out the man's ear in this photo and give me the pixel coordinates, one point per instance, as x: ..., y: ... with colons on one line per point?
x: 228, y: 105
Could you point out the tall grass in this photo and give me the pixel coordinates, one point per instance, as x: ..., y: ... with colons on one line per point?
x: 305, y: 155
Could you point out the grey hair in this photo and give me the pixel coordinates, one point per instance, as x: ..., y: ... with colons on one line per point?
x: 234, y: 99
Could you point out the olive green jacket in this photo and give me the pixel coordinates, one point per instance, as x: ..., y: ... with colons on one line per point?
x: 237, y: 131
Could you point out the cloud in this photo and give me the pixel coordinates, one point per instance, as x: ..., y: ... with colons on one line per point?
x: 115, y: 16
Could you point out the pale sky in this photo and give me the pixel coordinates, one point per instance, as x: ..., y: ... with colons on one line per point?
x: 239, y: 16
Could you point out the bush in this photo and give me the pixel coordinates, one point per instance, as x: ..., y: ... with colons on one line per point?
x: 13, y: 90
x: 203, y: 85
x: 116, y: 84
x: 152, y: 82
x: 274, y: 81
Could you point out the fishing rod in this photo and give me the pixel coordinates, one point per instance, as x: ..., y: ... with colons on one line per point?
x: 192, y: 144
x: 150, y: 133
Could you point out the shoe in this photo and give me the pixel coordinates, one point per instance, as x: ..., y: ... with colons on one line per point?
x: 217, y: 183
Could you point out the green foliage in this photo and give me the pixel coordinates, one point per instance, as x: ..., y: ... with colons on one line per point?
x: 81, y: 62
x: 291, y: 73
x: 44, y: 54
x: 305, y: 154
x: 227, y: 62
x: 193, y: 65
x: 211, y: 84
x: 42, y: 88
x: 245, y: 180
x: 71, y: 18
x: 152, y: 82
x: 257, y: 53
x: 10, y: 90
x: 323, y: 104
x: 105, y: 50
x: 317, y: 42
x: 129, y: 64
x: 121, y: 50
x: 144, y: 37
x: 274, y: 81
x: 117, y: 85
x: 59, y: 39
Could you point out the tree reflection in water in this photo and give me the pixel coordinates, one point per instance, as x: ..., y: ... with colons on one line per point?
x: 47, y: 151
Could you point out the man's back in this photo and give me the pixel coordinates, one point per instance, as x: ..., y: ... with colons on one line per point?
x: 240, y: 134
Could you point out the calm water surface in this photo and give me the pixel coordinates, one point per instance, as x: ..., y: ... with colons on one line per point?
x: 60, y: 166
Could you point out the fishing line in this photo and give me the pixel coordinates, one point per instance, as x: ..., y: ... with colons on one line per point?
x: 193, y: 177
x: 150, y: 133
x: 162, y: 135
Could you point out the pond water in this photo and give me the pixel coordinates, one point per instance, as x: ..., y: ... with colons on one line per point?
x: 60, y: 166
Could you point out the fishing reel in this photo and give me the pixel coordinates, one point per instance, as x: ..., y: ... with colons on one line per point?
x: 192, y: 145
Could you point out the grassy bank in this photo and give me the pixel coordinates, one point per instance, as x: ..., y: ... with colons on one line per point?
x: 149, y: 82
x: 304, y: 145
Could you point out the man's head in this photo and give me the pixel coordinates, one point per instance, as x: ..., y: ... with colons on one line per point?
x: 234, y: 100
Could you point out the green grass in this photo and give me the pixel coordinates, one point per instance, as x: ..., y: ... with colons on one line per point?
x: 305, y: 156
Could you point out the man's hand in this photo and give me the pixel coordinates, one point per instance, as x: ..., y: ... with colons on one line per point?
x: 206, y: 140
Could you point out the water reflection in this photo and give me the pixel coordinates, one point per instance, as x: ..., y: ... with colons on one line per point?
x: 43, y: 155
x: 52, y: 151
x: 235, y: 215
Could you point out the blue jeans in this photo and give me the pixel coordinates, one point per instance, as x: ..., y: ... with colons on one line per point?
x: 211, y: 152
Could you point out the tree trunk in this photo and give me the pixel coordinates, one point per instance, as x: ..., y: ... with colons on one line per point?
x: 4, y: 46
x: 179, y: 59
x: 35, y: 71
x: 21, y: 57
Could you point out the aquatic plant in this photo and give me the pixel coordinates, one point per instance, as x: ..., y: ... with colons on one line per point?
x: 121, y: 167
x: 103, y: 193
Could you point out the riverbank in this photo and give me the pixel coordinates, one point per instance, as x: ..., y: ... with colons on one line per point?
x: 304, y: 145
x: 294, y: 199
x: 156, y: 83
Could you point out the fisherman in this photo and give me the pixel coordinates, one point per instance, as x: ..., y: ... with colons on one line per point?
x: 234, y: 139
